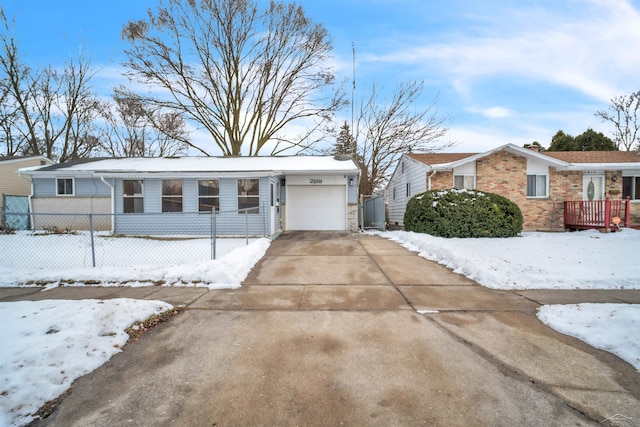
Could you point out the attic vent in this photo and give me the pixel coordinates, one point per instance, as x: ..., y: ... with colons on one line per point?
x: 342, y: 157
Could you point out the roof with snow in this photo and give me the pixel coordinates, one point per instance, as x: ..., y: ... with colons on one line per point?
x: 273, y: 165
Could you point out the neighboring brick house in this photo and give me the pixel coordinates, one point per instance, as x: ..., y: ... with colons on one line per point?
x: 538, y: 182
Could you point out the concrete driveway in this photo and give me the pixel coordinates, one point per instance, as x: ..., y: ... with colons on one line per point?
x: 326, y: 331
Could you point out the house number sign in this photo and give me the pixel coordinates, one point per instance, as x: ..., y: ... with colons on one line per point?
x: 315, y: 181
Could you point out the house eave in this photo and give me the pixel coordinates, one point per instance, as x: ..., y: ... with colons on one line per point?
x: 603, y: 166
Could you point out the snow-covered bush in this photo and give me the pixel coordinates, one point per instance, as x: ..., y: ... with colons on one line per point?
x: 463, y: 213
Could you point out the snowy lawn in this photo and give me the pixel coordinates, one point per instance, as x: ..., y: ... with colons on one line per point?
x: 177, y: 262
x: 46, y: 345
x: 581, y: 260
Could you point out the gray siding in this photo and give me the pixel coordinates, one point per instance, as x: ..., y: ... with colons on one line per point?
x: 84, y: 187
x: 415, y: 173
x: 352, y: 192
x: 228, y: 221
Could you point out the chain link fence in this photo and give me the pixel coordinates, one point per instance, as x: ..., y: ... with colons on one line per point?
x: 55, y: 240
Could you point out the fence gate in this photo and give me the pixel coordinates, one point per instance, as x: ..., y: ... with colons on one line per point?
x: 373, y: 215
x: 19, y: 206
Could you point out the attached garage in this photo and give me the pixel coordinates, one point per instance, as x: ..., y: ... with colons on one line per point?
x: 316, y: 207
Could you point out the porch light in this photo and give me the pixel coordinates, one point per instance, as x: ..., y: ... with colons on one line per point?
x: 351, y: 182
x: 614, y: 178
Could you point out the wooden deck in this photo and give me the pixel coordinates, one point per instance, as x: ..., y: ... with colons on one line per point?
x: 605, y: 215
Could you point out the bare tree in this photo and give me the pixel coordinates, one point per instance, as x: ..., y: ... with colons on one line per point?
x: 50, y: 112
x: 386, y: 130
x: 239, y: 72
x: 623, y: 114
x: 18, y: 122
x: 134, y: 129
x: 9, y: 144
x: 66, y: 109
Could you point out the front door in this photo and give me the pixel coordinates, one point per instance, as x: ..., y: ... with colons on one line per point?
x: 593, y: 187
x: 592, y: 191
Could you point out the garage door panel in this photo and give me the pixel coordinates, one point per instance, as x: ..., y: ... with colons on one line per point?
x: 316, y: 207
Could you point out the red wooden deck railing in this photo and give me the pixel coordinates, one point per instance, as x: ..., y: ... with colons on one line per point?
x: 598, y: 214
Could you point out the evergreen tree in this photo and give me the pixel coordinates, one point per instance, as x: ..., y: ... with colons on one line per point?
x: 345, y: 142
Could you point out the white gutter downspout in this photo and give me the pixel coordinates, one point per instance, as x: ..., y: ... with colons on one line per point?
x: 113, y: 204
x: 429, y: 180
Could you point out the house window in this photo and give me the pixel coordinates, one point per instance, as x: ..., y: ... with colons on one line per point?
x: 466, y: 182
x: 394, y: 193
x: 536, y: 186
x: 408, y: 189
x: 208, y: 195
x: 631, y: 187
x: 249, y: 195
x: 171, y: 195
x: 132, y: 199
x: 64, y: 187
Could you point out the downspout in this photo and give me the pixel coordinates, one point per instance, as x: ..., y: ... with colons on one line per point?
x: 113, y: 202
x: 429, y: 180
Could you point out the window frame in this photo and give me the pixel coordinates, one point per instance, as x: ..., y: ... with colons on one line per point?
x: 546, y: 186
x: 408, y: 189
x: 634, y: 193
x: 134, y: 196
x: 244, y: 195
x: 166, y: 197
x: 73, y: 186
x: 464, y: 178
x: 202, y: 197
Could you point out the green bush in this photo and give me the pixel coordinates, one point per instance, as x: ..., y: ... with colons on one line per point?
x: 463, y: 213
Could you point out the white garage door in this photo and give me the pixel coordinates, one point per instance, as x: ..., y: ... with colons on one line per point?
x: 316, y: 207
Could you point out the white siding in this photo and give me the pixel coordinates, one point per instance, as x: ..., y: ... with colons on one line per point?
x: 535, y: 167
x: 415, y: 173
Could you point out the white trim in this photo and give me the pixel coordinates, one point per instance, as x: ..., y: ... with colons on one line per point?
x: 546, y: 195
x: 525, y: 152
x: 73, y: 186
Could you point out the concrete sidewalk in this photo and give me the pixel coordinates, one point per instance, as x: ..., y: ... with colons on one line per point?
x: 325, y: 331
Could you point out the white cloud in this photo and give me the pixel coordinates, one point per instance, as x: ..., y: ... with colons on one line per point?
x: 587, y: 45
x: 492, y: 112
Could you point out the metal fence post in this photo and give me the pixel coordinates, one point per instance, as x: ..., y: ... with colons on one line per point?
x: 264, y: 219
x: 93, y: 246
x: 246, y: 226
x: 213, y: 233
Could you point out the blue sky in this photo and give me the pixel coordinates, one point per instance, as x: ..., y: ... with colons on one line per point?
x: 503, y: 71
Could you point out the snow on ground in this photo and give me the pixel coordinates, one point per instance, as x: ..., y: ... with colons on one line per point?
x: 581, y: 260
x: 46, y: 345
x: 610, y: 327
x: 178, y: 264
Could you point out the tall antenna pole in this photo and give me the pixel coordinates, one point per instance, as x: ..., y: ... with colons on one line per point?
x: 353, y: 89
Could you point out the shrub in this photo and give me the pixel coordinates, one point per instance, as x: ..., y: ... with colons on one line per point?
x: 463, y: 213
